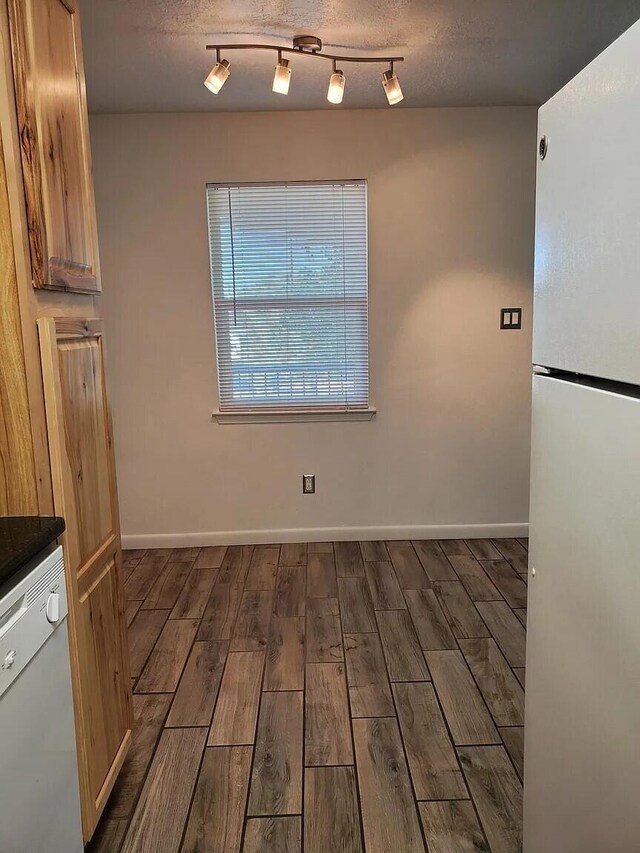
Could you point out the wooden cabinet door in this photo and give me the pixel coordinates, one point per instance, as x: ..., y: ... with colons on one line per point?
x: 82, y: 469
x: 54, y: 142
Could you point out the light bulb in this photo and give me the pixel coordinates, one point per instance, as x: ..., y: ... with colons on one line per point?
x: 217, y: 76
x: 336, y: 87
x: 282, y: 77
x: 392, y: 87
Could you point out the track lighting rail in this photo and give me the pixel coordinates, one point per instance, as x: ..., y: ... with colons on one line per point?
x: 298, y: 51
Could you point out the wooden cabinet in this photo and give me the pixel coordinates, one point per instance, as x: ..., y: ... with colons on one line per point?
x: 56, y: 452
x: 84, y: 493
x: 54, y: 142
x: 18, y: 493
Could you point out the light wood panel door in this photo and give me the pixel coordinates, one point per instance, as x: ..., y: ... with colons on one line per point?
x: 82, y: 468
x: 54, y: 141
x: 18, y: 495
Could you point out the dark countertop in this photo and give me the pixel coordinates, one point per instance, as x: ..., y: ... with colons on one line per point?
x: 22, y: 538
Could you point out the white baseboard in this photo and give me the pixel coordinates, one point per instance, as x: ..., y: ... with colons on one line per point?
x: 323, y: 534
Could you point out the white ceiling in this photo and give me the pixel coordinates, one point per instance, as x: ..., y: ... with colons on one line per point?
x: 148, y: 55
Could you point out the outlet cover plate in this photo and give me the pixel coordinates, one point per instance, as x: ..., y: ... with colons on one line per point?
x: 308, y: 484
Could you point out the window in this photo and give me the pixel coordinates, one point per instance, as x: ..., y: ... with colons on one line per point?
x: 289, y: 279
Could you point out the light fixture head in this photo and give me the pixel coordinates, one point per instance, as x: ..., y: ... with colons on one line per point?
x: 392, y: 87
x: 282, y: 77
x: 336, y: 86
x: 217, y: 76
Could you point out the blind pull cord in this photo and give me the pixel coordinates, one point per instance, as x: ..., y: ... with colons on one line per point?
x: 233, y: 261
x: 344, y: 303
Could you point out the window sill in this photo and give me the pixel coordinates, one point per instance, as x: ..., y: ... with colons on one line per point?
x: 301, y: 416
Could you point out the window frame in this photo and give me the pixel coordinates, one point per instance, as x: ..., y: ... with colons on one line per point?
x: 259, y: 413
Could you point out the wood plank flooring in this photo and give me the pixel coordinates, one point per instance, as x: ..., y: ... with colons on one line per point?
x: 357, y: 697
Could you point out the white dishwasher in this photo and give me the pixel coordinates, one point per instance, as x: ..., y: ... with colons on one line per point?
x: 39, y: 795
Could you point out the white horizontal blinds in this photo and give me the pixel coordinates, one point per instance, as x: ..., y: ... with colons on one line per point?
x: 289, y: 278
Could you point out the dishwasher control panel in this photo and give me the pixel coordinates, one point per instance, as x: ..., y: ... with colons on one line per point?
x: 30, y: 610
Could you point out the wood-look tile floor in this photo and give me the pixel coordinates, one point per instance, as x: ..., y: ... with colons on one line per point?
x: 324, y: 697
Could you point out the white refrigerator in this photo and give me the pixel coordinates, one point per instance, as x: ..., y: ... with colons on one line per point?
x: 582, y: 732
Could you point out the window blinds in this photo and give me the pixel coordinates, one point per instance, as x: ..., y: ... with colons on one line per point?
x: 289, y: 279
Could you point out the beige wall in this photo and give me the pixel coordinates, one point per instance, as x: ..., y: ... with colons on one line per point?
x: 451, y: 203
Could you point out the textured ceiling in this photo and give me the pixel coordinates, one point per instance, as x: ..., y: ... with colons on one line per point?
x: 148, y: 55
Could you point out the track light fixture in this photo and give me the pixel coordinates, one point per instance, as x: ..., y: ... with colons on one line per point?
x: 282, y: 76
x: 392, y: 86
x: 307, y: 46
x: 336, y: 86
x: 218, y: 75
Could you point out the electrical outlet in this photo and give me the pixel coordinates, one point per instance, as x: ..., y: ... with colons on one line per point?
x: 308, y: 484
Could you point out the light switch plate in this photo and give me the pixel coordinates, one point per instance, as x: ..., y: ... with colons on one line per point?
x: 511, y: 318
